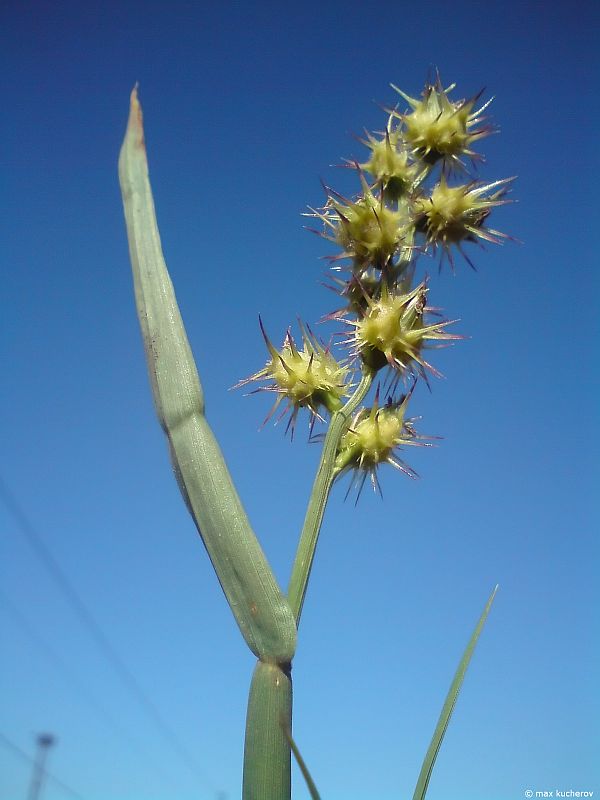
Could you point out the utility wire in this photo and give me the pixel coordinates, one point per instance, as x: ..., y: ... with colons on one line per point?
x: 76, y: 684
x: 96, y: 632
x: 23, y: 755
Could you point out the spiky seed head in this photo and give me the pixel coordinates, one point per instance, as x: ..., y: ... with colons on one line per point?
x: 374, y: 437
x: 394, y: 330
x: 390, y: 163
x: 368, y: 231
x: 307, y: 377
x: 439, y: 128
x: 455, y: 214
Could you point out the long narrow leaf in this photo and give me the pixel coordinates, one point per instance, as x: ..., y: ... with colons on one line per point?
x: 301, y: 763
x: 260, y: 609
x: 448, y: 708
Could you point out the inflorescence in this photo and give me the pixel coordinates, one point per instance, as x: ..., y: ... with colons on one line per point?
x: 417, y: 196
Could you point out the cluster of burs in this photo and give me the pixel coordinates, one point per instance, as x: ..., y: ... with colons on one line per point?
x: 417, y: 196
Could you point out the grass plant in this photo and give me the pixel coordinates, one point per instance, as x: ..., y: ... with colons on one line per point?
x: 417, y: 196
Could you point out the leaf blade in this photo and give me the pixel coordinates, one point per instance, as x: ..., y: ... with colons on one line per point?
x: 301, y: 764
x: 262, y: 612
x: 449, y: 704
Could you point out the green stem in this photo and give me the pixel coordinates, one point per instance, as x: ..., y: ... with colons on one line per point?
x: 319, y: 495
x: 267, y: 757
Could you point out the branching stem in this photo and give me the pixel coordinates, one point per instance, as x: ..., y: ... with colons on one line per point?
x: 319, y: 495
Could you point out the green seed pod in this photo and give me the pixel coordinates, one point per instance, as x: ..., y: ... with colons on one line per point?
x: 455, y: 214
x: 267, y: 759
x: 308, y: 378
x: 438, y: 128
x: 369, y: 232
x: 375, y: 436
x: 394, y: 331
x: 390, y: 163
x: 261, y: 611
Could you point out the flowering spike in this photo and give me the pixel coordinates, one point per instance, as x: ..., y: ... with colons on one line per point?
x: 307, y: 378
x: 456, y: 214
x: 390, y: 163
x: 440, y: 129
x: 368, y: 231
x: 375, y: 436
x: 394, y: 330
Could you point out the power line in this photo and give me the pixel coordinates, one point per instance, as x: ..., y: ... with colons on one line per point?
x: 72, y: 679
x: 96, y: 632
x: 23, y: 755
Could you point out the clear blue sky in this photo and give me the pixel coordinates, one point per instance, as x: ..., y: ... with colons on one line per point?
x: 246, y: 107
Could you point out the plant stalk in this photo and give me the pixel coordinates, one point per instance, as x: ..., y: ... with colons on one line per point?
x: 319, y: 495
x: 267, y: 756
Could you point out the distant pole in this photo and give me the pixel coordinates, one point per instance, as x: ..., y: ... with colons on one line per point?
x: 44, y: 743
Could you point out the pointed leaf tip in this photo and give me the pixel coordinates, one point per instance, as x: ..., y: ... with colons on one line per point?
x: 135, y: 123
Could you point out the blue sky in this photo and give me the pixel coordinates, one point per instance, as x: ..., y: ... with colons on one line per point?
x: 247, y: 106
